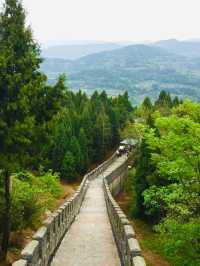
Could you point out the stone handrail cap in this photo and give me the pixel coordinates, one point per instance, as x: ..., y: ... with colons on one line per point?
x: 59, y: 211
x: 69, y: 200
x: 134, y: 247
x: 20, y: 263
x: 40, y: 233
x: 120, y: 212
x: 29, y: 250
x: 129, y: 232
x: 48, y: 221
x: 138, y: 261
x: 125, y: 221
x: 62, y: 207
x: 66, y: 204
x: 56, y: 215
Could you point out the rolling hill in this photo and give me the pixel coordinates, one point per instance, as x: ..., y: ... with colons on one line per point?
x: 75, y: 51
x: 185, y: 48
x: 142, y: 70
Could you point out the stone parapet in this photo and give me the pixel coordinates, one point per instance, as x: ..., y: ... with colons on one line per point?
x: 124, y: 234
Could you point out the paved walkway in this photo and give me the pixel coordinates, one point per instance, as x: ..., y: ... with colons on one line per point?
x: 89, y: 241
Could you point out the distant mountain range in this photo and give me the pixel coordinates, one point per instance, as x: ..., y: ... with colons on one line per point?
x: 186, y: 48
x: 75, y: 51
x: 142, y: 70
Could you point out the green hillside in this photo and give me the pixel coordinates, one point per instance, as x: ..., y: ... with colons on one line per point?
x: 140, y: 69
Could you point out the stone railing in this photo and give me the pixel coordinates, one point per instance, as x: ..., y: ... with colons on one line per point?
x: 46, y: 240
x: 101, y: 168
x: 125, y: 238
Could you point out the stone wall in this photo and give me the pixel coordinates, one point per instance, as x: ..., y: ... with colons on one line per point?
x: 46, y: 240
x: 128, y: 246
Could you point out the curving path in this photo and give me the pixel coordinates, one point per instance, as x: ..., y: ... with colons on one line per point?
x: 89, y: 241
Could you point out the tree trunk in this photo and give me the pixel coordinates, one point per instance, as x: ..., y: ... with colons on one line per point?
x: 6, y: 218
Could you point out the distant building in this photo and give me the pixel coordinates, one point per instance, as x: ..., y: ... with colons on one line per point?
x: 126, y: 145
x: 129, y: 143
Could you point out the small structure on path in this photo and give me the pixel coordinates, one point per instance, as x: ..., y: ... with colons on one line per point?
x: 129, y: 143
x: 126, y: 145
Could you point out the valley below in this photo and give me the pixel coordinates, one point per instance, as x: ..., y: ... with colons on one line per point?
x: 141, y: 70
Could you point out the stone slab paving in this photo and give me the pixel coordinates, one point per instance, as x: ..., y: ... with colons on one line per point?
x: 89, y: 241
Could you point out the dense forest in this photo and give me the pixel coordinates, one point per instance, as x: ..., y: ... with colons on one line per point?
x: 165, y: 181
x: 46, y: 132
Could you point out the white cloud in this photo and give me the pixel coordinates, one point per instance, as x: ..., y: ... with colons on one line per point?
x: 113, y: 20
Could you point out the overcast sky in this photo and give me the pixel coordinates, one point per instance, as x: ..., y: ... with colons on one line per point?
x: 113, y: 20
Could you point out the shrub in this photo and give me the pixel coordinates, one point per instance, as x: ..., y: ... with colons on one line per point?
x: 31, y: 196
x: 180, y: 241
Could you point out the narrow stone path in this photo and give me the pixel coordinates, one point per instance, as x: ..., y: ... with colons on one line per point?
x: 89, y: 241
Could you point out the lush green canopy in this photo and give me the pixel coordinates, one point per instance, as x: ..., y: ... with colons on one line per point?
x: 167, y: 177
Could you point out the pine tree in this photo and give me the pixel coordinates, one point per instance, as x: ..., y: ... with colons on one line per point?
x: 164, y: 100
x: 176, y: 101
x: 114, y: 122
x: 19, y: 78
x: 20, y: 81
x: 68, y: 166
x: 102, y: 134
x: 143, y: 170
x: 76, y: 151
x: 84, y: 150
x: 147, y: 103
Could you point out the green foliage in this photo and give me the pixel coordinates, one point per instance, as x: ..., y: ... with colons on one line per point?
x: 188, y: 109
x: 86, y: 128
x: 68, y: 167
x: 31, y: 196
x: 178, y: 143
x: 166, y: 182
x: 50, y: 183
x: 164, y: 99
x: 20, y: 82
x: 134, y: 130
x: 84, y: 150
x: 179, y: 241
x: 144, y: 169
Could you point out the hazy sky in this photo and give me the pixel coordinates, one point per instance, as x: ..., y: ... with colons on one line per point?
x: 113, y: 20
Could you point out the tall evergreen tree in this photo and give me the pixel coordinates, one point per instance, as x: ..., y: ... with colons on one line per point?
x: 143, y: 170
x: 147, y: 103
x: 20, y: 81
x: 84, y: 150
x: 68, y: 166
x: 19, y: 78
x: 75, y: 149
x: 176, y: 101
x: 164, y: 100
